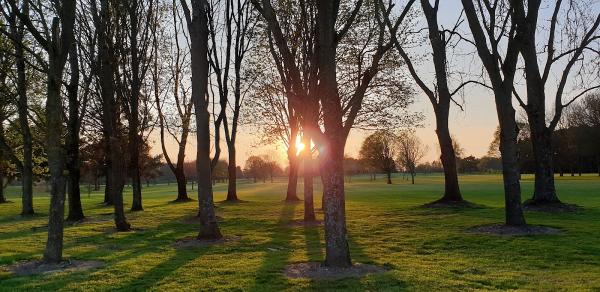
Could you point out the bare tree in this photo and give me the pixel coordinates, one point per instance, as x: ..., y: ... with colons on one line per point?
x: 82, y: 60
x: 410, y: 152
x: 231, y: 25
x: 570, y: 51
x: 17, y: 34
x: 107, y: 66
x: 197, y: 22
x: 490, y: 24
x: 175, y: 100
x: 441, y: 95
x: 135, y: 34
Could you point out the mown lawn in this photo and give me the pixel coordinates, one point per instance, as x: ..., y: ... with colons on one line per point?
x: 424, y: 249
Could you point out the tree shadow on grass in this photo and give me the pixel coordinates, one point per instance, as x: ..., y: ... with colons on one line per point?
x: 269, y: 275
x: 163, y: 270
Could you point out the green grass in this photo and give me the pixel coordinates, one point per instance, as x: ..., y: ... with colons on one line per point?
x: 424, y: 249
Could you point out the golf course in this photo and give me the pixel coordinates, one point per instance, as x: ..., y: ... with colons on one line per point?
x: 420, y: 248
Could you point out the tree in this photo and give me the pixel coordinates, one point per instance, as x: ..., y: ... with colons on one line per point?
x: 57, y: 45
x: 255, y: 167
x: 468, y: 164
x: 175, y: 65
x: 107, y: 66
x: 352, y: 166
x: 337, y: 120
x: 197, y: 22
x: 272, y: 113
x: 17, y: 35
x: 231, y: 41
x: 583, y: 130
x: 410, y: 151
x: 490, y: 25
x: 441, y: 96
x: 570, y: 47
x: 378, y: 150
x: 135, y: 18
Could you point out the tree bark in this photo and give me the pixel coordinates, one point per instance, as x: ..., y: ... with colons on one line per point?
x: 309, y: 206
x: 510, y: 162
x: 2, y: 197
x: 134, y: 165
x: 544, y: 190
x: 73, y: 140
x: 337, y: 252
x: 197, y: 22
x: 291, y: 195
x: 231, y: 174
x: 448, y: 158
x: 389, y: 177
x: 182, y: 195
x: 108, y: 199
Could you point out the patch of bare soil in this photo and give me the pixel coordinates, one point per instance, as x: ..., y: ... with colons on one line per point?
x: 302, y: 223
x: 195, y: 242
x: 503, y: 229
x: 316, y: 271
x: 441, y: 204
x: 551, y: 207
x: 40, y: 267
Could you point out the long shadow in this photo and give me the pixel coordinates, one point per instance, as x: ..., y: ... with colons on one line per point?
x: 312, y: 240
x: 269, y: 275
x: 163, y: 270
x: 145, y: 242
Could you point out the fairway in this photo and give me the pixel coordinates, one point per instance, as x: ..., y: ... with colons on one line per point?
x: 423, y: 249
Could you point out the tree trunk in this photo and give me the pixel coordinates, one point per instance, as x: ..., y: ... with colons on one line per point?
x: 108, y: 200
x: 291, y: 195
x: 337, y: 253
x: 134, y: 166
x: 198, y: 28
x: 182, y: 195
x: 22, y: 109
x: 2, y: 197
x: 541, y: 139
x: 448, y: 158
x: 389, y: 177
x: 412, y: 177
x: 232, y: 174
x: 309, y: 207
x: 56, y: 163
x: 73, y: 140
x: 134, y: 102
x: 510, y: 162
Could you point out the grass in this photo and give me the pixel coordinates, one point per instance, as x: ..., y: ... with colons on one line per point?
x: 424, y: 249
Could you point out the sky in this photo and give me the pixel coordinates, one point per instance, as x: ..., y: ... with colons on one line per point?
x: 473, y: 126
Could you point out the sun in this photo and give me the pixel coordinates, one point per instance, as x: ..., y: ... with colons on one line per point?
x: 299, y: 145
